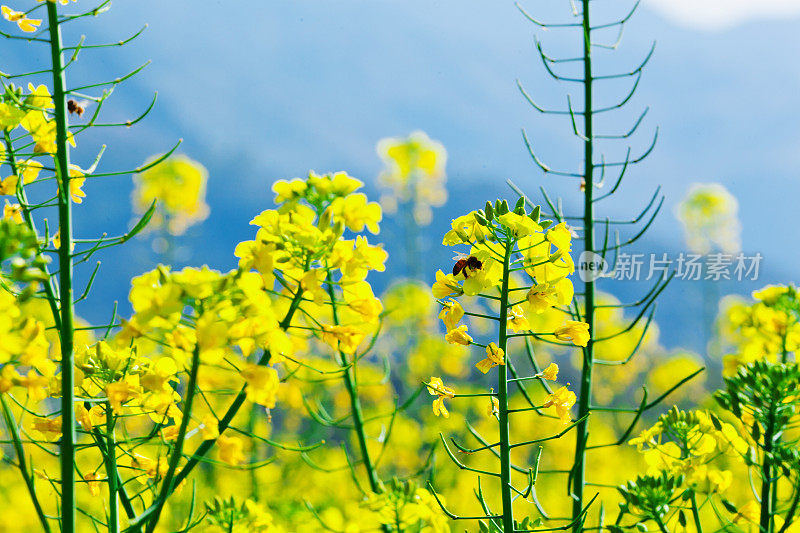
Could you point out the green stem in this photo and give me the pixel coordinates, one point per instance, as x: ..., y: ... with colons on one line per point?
x: 661, y: 525
x: 111, y: 472
x: 68, y: 436
x: 23, y: 465
x: 168, y: 485
x: 350, y: 381
x: 224, y: 422
x: 502, y: 398
x: 582, y: 436
x: 767, y: 487
x: 696, y: 514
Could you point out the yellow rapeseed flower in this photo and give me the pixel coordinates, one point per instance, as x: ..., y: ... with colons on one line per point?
x: 551, y: 372
x: 230, y: 450
x: 437, y: 388
x: 262, y: 384
x: 494, y: 357
x: 451, y: 314
x: 25, y: 24
x: 575, y: 332
x: 562, y: 400
x: 458, y: 335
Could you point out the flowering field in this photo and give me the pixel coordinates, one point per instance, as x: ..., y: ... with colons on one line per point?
x: 324, y: 382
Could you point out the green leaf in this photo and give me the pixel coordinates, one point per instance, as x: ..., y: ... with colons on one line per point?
x: 141, y: 224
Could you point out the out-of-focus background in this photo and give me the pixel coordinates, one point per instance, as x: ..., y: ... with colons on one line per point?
x: 268, y: 90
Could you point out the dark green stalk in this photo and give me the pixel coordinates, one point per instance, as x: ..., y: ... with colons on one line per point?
x: 351, y: 384
x: 767, y: 487
x: 502, y: 398
x: 584, y: 400
x: 111, y: 472
x: 23, y: 465
x: 68, y: 436
x: 168, y: 485
x: 696, y: 514
x: 789, y: 518
x: 661, y: 525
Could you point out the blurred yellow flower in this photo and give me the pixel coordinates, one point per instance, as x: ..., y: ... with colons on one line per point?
x: 413, y: 174
x: 179, y: 186
x: 262, y: 384
x: 709, y: 214
x: 230, y: 450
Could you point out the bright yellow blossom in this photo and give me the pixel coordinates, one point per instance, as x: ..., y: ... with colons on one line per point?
x: 25, y: 24
x: 519, y: 226
x: 458, y: 335
x: 494, y: 357
x: 560, y: 236
x: 436, y: 388
x: 562, y: 400
x: 262, y: 384
x: 575, y: 332
x: 517, y: 321
x: 357, y: 212
x: 551, y: 372
x: 446, y: 285
x: 451, y: 314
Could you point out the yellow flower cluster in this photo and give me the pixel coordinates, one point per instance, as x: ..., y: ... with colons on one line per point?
x: 414, y: 174
x: 767, y: 328
x: 694, y: 445
x: 32, y: 113
x: 709, y: 214
x: 178, y: 184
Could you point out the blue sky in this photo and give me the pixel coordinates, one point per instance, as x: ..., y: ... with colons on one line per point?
x: 267, y: 90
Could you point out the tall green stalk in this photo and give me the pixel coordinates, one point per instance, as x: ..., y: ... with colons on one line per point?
x: 766, y: 519
x: 110, y: 458
x: 595, y: 260
x: 351, y: 383
x: 502, y: 398
x: 66, y: 331
x: 584, y: 402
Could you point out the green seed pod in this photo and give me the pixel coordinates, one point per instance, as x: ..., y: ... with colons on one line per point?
x: 338, y: 228
x: 535, y: 214
x: 324, y: 219
x: 489, y: 211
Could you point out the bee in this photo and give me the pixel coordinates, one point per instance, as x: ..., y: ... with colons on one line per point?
x: 76, y: 107
x: 466, y: 263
